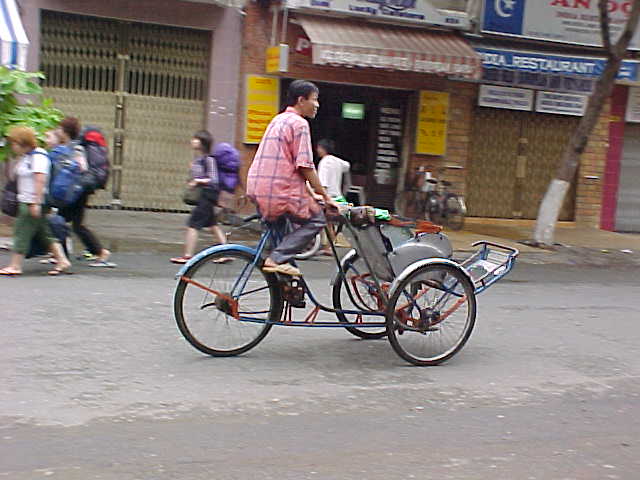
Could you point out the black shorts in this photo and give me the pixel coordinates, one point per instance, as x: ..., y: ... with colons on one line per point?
x: 202, y: 215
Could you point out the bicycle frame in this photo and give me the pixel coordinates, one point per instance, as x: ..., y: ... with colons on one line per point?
x: 237, y: 290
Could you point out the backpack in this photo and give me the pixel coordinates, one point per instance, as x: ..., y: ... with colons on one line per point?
x: 228, y: 162
x: 65, y: 180
x: 97, y: 153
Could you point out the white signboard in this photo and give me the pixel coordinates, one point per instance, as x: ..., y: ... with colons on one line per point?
x: 561, y: 103
x: 633, y: 105
x: 567, y: 21
x: 505, y: 97
x: 415, y: 11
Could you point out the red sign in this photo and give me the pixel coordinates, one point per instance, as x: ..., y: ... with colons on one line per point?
x: 303, y: 46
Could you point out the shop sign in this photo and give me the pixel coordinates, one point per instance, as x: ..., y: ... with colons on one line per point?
x: 633, y: 105
x: 262, y: 102
x: 534, y: 62
x: 388, y: 145
x: 505, y: 97
x: 561, y: 103
x: 433, y: 112
x: 335, y: 55
x: 277, y: 58
x: 538, y: 81
x: 566, y: 21
x: 414, y: 11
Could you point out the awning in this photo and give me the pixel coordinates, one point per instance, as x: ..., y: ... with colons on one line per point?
x: 355, y: 43
x: 14, y: 40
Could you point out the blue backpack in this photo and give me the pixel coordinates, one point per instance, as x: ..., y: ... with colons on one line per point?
x: 65, y: 183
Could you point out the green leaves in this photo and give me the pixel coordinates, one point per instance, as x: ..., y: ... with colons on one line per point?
x: 37, y: 113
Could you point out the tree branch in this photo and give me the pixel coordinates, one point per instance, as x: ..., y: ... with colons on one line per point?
x: 604, y: 26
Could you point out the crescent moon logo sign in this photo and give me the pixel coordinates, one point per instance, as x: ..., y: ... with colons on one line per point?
x: 500, y: 11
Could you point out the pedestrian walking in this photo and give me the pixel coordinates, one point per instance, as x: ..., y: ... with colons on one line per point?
x: 333, y: 173
x: 68, y: 133
x: 278, y: 176
x: 204, y: 177
x: 32, y: 173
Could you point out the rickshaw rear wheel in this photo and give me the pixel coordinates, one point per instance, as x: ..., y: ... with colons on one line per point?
x: 431, y: 314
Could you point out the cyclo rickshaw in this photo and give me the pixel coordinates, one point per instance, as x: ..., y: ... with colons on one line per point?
x: 399, y: 280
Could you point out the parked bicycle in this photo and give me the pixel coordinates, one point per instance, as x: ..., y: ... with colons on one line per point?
x: 429, y: 198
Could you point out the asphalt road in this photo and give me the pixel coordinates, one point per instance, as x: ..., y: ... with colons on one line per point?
x: 97, y: 383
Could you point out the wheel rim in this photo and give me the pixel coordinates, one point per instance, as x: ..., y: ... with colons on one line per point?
x: 434, y: 314
x: 363, y: 291
x: 206, y: 306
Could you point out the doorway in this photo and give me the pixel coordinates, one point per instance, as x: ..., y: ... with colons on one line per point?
x: 366, y: 124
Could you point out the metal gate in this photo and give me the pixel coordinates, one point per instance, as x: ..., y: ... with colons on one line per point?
x: 628, y: 206
x: 145, y: 85
x: 514, y: 156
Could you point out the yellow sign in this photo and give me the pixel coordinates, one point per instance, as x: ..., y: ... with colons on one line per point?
x: 262, y: 102
x: 433, y: 113
x: 277, y: 58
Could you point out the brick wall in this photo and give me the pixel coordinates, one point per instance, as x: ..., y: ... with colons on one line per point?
x: 592, y: 164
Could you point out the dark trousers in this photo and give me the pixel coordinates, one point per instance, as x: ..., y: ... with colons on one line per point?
x: 75, y: 214
x: 296, y: 240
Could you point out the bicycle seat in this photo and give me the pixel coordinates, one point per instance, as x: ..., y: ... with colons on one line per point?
x: 445, y: 183
x: 432, y: 180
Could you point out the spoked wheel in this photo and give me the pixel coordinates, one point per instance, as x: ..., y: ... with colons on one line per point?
x: 431, y: 314
x: 456, y: 211
x: 224, y: 306
x: 364, y: 297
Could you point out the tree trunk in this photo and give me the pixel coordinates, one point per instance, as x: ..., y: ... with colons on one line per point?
x: 552, y: 202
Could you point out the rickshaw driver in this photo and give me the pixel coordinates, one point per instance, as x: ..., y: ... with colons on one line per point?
x: 281, y: 168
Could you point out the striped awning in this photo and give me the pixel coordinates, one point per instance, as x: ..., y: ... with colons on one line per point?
x: 14, y: 40
x: 356, y: 43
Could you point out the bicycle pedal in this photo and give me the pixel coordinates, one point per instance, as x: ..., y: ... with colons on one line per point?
x: 298, y: 304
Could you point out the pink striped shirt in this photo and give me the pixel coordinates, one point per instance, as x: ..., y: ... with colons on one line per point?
x: 274, y: 181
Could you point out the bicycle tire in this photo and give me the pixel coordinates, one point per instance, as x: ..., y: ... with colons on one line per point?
x: 431, y: 314
x: 312, y: 248
x: 198, y: 312
x: 340, y: 296
x: 455, y: 211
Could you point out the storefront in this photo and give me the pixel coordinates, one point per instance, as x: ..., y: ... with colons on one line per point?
x: 534, y: 99
x: 621, y: 191
x: 148, y: 73
x: 534, y: 96
x: 386, y: 90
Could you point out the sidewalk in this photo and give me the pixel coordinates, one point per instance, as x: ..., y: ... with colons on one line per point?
x: 137, y: 231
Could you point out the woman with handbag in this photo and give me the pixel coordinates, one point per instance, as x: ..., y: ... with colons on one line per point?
x: 202, y: 191
x: 32, y: 174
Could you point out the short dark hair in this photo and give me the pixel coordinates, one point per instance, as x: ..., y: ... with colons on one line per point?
x: 328, y: 145
x: 71, y: 127
x: 206, y: 140
x: 300, y: 88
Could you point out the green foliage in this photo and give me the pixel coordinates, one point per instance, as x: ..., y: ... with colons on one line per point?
x: 37, y: 113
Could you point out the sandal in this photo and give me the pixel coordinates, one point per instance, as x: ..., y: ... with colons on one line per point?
x: 181, y: 260
x: 103, y: 263
x: 284, y: 269
x: 59, y: 271
x: 9, y: 273
x: 222, y: 260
